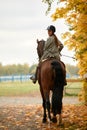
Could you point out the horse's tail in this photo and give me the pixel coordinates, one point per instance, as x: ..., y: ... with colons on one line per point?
x: 58, y: 87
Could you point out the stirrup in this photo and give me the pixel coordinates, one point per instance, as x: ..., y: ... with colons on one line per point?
x: 65, y: 83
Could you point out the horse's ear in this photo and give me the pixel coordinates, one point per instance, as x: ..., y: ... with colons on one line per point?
x: 37, y: 41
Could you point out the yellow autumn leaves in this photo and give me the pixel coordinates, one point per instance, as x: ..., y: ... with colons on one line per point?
x: 75, y: 14
x: 29, y: 117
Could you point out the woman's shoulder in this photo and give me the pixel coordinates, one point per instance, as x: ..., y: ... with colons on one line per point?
x: 51, y: 38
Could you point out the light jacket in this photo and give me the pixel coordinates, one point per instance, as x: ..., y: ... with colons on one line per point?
x: 51, y: 50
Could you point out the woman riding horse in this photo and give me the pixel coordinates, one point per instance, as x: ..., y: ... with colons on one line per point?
x: 50, y: 74
x: 51, y: 50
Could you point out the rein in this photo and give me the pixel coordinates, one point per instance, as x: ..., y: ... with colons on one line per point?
x: 68, y: 56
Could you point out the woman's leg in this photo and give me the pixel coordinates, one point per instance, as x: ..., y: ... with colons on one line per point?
x: 34, y: 77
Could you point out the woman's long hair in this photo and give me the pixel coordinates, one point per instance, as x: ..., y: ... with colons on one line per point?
x: 56, y: 40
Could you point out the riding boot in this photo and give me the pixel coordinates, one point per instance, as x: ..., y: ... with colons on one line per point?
x: 34, y: 77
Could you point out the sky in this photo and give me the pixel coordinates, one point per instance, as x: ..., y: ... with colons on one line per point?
x: 22, y: 22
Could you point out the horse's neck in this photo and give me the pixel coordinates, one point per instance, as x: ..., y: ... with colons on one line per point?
x: 41, y: 49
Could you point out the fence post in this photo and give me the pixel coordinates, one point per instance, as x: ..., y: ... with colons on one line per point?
x: 21, y: 78
x: 12, y: 78
x: 65, y: 90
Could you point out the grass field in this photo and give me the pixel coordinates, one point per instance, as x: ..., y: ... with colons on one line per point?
x: 17, y: 88
x: 73, y: 88
x: 27, y: 88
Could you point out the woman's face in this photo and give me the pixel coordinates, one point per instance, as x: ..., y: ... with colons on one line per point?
x: 50, y: 33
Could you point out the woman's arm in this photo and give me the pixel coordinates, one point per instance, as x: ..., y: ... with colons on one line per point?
x: 61, y: 46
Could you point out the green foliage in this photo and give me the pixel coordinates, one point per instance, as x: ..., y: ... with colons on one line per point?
x: 49, y: 2
x: 32, y: 69
x: 14, y: 69
x: 25, y: 69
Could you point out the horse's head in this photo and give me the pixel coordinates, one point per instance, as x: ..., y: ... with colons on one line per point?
x: 40, y: 48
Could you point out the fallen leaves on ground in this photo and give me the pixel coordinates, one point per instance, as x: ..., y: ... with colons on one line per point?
x: 30, y: 118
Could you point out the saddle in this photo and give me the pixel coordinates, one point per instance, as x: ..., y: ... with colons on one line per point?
x: 52, y: 58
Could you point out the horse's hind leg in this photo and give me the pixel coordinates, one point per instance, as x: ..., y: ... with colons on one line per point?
x: 48, y: 106
x: 54, y: 119
x: 60, y: 119
x: 44, y: 116
x: 44, y: 106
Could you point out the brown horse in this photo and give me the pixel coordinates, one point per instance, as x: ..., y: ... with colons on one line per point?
x: 51, y: 76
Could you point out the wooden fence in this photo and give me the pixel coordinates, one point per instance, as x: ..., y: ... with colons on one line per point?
x: 73, y: 87
x: 15, y: 78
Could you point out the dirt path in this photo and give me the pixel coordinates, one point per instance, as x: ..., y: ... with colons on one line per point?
x: 32, y: 100
x: 29, y: 117
x: 25, y: 113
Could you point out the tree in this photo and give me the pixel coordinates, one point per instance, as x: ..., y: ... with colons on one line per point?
x: 32, y: 69
x: 14, y: 69
x: 75, y: 14
x: 22, y: 69
x: 1, y: 69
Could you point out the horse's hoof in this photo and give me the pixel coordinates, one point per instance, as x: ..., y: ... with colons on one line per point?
x: 54, y: 120
x: 44, y: 120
